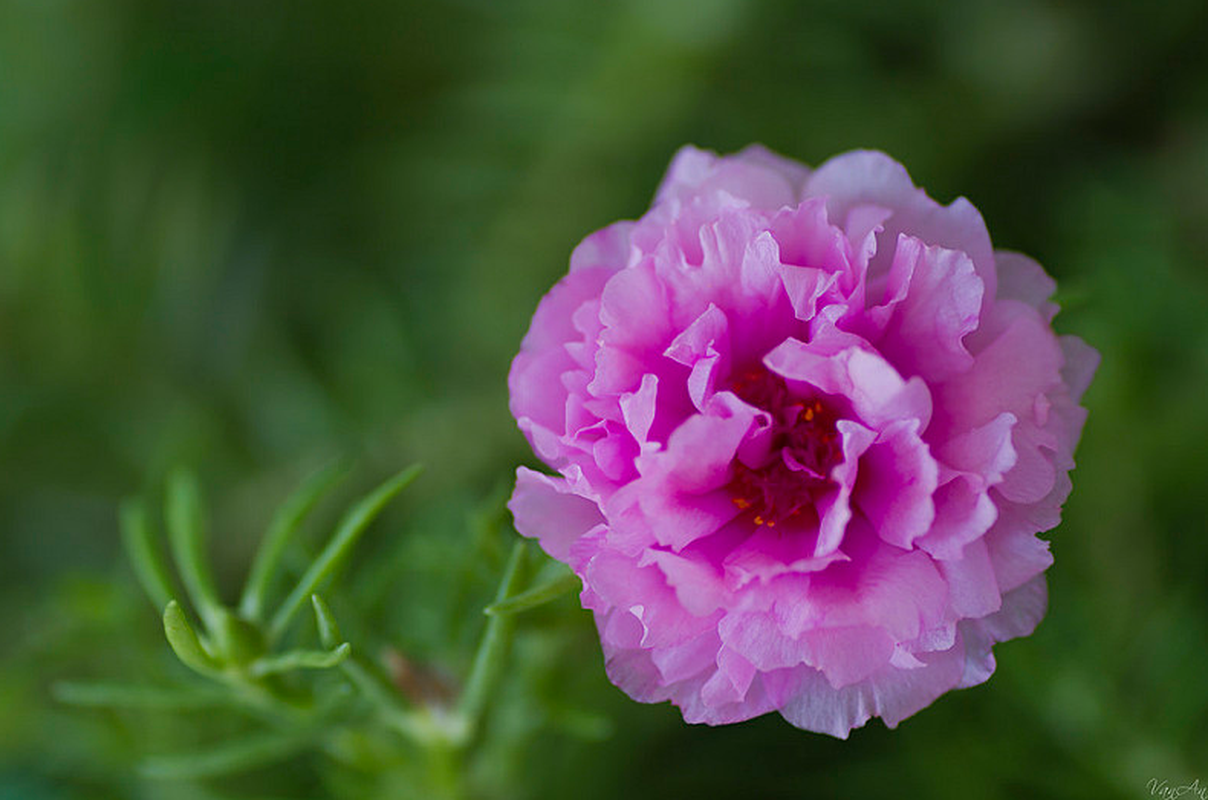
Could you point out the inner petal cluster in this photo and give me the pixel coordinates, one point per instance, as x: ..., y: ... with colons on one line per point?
x: 803, y: 447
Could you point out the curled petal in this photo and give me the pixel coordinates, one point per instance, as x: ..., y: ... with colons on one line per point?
x: 865, y: 177
x: 548, y: 510
x: 898, y: 477
x: 876, y: 391
x: 932, y: 303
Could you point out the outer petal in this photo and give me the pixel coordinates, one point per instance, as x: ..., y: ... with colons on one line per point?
x: 845, y: 654
x: 1018, y: 363
x: 757, y: 175
x: 536, y: 390
x: 548, y: 510
x: 892, y: 694
x: 1022, y: 609
x: 1080, y: 362
x: 618, y: 582
x: 1021, y: 278
x: 608, y: 248
x: 972, y: 589
x: 881, y: 585
x: 865, y: 177
x: 1017, y: 554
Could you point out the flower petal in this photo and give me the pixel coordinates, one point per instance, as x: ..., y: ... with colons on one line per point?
x: 865, y: 177
x: 877, y: 393
x: 757, y: 175
x: 932, y: 303
x: 897, y: 479
x: 548, y: 510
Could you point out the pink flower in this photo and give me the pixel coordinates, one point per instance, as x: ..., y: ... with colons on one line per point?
x: 807, y: 425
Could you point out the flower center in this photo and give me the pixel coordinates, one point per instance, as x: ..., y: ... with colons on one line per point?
x: 805, y: 446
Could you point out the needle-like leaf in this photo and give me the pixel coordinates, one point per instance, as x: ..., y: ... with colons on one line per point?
x: 138, y: 538
x: 299, y: 659
x: 187, y: 537
x: 226, y: 759
x: 285, y: 524
x: 185, y: 643
x: 122, y: 695
x: 347, y: 533
x: 534, y: 597
x: 329, y: 631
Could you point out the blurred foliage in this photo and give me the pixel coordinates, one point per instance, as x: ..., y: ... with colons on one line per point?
x: 248, y: 236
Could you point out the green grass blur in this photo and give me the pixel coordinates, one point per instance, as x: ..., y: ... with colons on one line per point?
x: 249, y: 236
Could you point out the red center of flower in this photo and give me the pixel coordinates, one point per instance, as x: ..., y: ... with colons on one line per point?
x: 805, y: 448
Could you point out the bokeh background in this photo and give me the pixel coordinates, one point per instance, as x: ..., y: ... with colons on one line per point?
x: 250, y: 236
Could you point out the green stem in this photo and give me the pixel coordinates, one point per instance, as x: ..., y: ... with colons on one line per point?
x: 492, y: 649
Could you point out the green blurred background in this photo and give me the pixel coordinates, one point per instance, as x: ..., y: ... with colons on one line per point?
x: 248, y: 236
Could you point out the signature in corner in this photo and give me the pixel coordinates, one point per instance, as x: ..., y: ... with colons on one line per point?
x: 1164, y: 790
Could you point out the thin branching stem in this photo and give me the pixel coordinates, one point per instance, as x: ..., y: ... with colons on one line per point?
x: 492, y: 648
